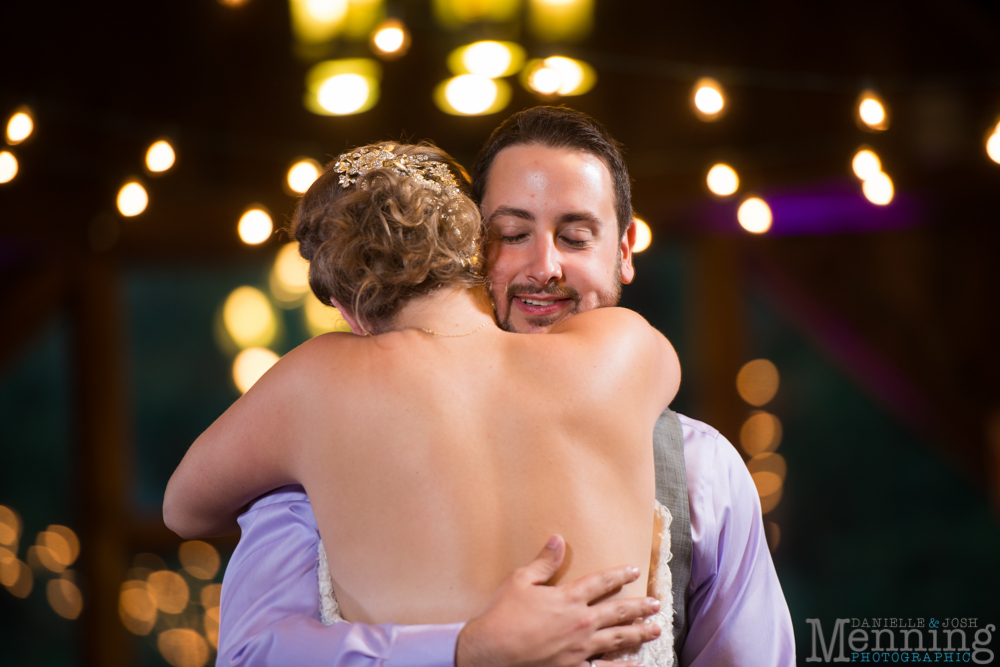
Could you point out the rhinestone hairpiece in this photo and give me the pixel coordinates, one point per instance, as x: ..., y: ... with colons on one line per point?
x: 420, y: 168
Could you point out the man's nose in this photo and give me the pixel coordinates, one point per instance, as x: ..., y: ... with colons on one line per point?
x: 545, y: 266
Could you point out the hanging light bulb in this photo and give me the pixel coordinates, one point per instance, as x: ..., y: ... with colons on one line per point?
x: 872, y: 114
x: 754, y: 215
x: 708, y: 100
x: 722, y: 180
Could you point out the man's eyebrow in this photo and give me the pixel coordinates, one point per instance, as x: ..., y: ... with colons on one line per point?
x: 580, y: 216
x: 501, y: 211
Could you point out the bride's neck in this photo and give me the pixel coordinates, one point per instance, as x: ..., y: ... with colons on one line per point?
x: 449, y: 311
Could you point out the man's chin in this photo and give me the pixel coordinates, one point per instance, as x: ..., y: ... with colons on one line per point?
x: 521, y: 323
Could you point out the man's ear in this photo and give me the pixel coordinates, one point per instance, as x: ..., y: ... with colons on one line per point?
x: 628, y: 240
x: 349, y: 318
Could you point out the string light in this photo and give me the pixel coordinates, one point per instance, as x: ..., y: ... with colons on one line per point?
x: 866, y: 164
x: 19, y: 127
x: 8, y: 166
x: 343, y: 87
x: 708, y: 99
x: 992, y: 147
x: 487, y: 58
x: 872, y: 113
x: 472, y: 95
x: 255, y: 226
x: 559, y: 75
x: 250, y: 365
x: 302, y: 174
x: 391, y: 39
x: 248, y: 318
x: 344, y: 94
x: 643, y: 235
x: 160, y: 156
x: 132, y: 199
x: 754, y: 215
x: 878, y: 189
x: 722, y: 180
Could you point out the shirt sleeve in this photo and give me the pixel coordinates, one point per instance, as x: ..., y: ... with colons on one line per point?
x: 737, y: 614
x: 270, y: 602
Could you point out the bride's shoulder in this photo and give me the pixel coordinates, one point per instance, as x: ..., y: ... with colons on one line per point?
x: 611, y: 322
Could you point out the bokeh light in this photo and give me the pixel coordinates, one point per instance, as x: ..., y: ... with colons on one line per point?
x: 17, y: 578
x: 559, y: 75
x: 250, y: 364
x: 878, y: 189
x: 199, y: 559
x: 769, y: 488
x: 343, y: 87
x: 321, y: 318
x: 866, y: 164
x: 472, y: 95
x: 643, y: 235
x: 302, y: 174
x: 10, y: 526
x: 722, y: 180
x: 8, y: 166
x: 708, y: 99
x: 487, y: 58
x: 560, y: 20
x: 136, y: 608
x: 992, y: 149
x: 760, y: 433
x: 160, y: 156
x: 768, y: 462
x: 19, y: 127
x: 212, y: 626
x: 72, y: 541
x: 64, y: 597
x: 54, y: 551
x: 773, y: 533
x: 391, y: 39
x: 317, y: 21
x: 872, y: 112
x: 255, y: 226
x: 454, y: 14
x: 757, y: 382
x: 249, y: 318
x: 754, y: 215
x: 183, y: 647
x: 211, y: 595
x: 168, y: 591
x: 132, y: 199
x: 289, y: 278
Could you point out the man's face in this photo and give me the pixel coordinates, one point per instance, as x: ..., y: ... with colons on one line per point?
x: 554, y: 248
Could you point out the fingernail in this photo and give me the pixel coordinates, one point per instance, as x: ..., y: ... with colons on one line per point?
x: 552, y: 543
x: 654, y: 603
x: 634, y: 571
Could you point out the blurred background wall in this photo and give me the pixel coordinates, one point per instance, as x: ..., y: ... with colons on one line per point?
x: 819, y: 185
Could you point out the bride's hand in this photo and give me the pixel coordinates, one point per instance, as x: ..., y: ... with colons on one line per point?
x: 529, y: 624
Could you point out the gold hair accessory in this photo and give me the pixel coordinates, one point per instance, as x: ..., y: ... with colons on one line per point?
x: 420, y: 168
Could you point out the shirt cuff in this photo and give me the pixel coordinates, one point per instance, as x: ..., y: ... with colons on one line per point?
x: 424, y: 645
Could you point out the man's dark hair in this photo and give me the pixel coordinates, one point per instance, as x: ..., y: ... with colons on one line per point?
x: 559, y: 127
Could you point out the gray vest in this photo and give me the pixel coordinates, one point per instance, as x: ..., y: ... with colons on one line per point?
x: 671, y: 491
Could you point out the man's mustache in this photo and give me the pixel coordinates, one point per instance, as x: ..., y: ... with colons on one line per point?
x: 559, y: 291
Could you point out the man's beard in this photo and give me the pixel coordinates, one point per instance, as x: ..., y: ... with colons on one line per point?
x: 605, y: 299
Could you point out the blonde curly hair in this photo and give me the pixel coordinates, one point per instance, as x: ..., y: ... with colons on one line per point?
x: 385, y: 239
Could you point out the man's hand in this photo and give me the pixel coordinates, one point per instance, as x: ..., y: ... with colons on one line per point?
x: 529, y: 624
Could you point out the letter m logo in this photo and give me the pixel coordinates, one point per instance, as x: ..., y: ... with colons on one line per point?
x: 837, y: 638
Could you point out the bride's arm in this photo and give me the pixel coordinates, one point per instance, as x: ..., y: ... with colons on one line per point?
x: 245, y: 453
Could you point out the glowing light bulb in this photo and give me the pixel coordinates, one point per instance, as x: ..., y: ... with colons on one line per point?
x: 248, y: 318
x: 255, y: 226
x: 160, y: 156
x: 302, y: 174
x: 708, y: 99
x: 19, y: 127
x: 471, y: 94
x: 878, y: 189
x: 344, y: 93
x: 643, y: 235
x: 992, y: 148
x: 8, y: 166
x: 722, y: 180
x: 754, y: 215
x: 132, y: 199
x: 866, y: 164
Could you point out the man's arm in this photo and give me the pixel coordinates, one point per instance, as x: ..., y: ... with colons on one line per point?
x: 737, y: 614
x: 270, y: 609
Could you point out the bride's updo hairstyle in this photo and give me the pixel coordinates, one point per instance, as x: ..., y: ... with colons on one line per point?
x: 385, y: 223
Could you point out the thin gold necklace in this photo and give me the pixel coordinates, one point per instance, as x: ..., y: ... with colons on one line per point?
x: 435, y: 333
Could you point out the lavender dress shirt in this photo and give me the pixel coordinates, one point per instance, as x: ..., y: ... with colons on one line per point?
x: 737, y: 614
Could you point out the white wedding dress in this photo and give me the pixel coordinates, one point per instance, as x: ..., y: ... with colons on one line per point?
x: 657, y: 653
